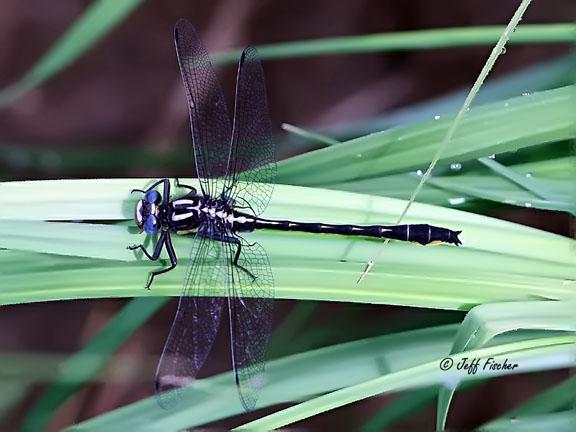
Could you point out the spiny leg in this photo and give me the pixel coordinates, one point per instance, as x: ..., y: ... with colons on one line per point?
x: 183, y: 186
x: 151, y: 187
x: 163, y: 240
x: 173, y: 260
x: 157, y: 250
x: 233, y: 240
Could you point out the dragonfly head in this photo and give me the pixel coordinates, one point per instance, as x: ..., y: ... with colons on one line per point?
x: 146, y: 214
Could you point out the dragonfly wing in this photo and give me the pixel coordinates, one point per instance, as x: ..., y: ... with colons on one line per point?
x: 197, y: 318
x: 250, y: 302
x: 209, y: 117
x: 251, y: 169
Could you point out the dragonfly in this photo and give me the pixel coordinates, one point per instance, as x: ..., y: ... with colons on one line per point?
x: 226, y: 274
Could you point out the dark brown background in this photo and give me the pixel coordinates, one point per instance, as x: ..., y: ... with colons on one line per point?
x: 127, y: 92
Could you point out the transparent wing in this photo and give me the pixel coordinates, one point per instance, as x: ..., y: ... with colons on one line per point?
x: 252, y: 165
x: 250, y: 302
x: 197, y: 319
x: 209, y: 117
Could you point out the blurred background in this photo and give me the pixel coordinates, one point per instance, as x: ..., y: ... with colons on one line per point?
x: 120, y: 111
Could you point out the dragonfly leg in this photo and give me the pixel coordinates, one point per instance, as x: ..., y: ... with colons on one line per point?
x: 171, y: 254
x: 151, y: 256
x: 238, y: 243
x: 153, y: 186
x: 164, y: 240
x: 235, y: 241
x: 181, y: 185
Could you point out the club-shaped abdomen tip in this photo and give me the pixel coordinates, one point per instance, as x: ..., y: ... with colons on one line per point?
x: 454, y: 237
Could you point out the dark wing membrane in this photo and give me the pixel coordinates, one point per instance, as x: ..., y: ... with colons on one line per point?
x: 250, y: 302
x: 209, y: 118
x: 197, y: 319
x: 252, y: 166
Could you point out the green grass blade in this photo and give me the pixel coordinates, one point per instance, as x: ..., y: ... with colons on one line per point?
x: 534, y: 355
x: 527, y: 183
x: 401, y: 406
x: 558, y: 398
x: 486, y: 321
x: 489, y: 129
x: 293, y: 378
x: 561, y: 195
x: 543, y: 76
x: 309, y: 135
x: 86, y: 363
x: 95, y: 23
x: 557, y: 422
x: 500, y: 260
x: 410, y: 40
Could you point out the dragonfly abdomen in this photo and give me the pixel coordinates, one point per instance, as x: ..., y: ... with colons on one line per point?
x: 419, y: 233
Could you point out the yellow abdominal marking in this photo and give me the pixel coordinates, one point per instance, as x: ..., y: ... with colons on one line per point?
x: 184, y: 232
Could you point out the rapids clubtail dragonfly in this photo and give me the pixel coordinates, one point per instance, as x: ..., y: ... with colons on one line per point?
x: 236, y: 169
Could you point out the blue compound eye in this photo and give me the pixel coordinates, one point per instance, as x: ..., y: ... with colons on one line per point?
x: 152, y: 197
x: 151, y: 225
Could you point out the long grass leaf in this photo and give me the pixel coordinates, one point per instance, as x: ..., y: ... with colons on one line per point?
x: 84, y: 365
x: 95, y: 23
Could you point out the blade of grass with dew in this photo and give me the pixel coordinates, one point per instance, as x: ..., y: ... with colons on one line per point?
x: 447, y: 139
x: 87, y: 362
x: 527, y: 183
x: 492, y: 189
x: 558, y: 422
x: 469, y: 189
x: 486, y: 130
x: 400, y: 186
x: 542, y: 76
x: 293, y: 378
x: 486, y: 321
x: 556, y: 195
x: 531, y: 356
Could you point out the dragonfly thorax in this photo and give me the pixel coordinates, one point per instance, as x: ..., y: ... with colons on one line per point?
x: 189, y: 212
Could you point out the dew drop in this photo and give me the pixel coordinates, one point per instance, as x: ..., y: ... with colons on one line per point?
x: 503, y: 51
x: 456, y: 166
x: 528, y: 175
x: 525, y: 94
x: 436, y: 117
x: 419, y: 173
x: 527, y: 204
x: 457, y: 200
x: 492, y: 156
